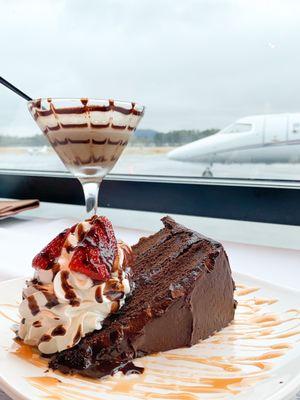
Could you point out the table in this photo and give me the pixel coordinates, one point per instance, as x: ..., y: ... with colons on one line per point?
x: 32, y: 232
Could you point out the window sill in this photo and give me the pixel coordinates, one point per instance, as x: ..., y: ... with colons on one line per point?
x: 269, y: 204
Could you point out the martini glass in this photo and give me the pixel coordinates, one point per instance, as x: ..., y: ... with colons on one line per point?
x: 89, y: 135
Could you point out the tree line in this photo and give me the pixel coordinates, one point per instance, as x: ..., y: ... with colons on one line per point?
x: 172, y: 138
x: 27, y: 141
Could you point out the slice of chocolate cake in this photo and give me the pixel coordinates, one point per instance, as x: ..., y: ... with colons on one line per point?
x: 183, y: 292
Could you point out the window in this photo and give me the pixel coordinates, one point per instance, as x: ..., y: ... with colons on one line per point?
x: 199, y: 67
x: 238, y: 128
x: 296, y: 128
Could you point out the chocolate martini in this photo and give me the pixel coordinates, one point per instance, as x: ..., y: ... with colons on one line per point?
x: 88, y: 135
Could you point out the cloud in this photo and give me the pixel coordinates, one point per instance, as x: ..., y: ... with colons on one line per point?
x: 194, y: 64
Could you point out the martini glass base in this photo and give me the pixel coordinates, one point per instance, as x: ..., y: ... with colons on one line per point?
x: 91, y: 191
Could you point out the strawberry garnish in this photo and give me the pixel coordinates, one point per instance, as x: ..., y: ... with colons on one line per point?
x: 86, y: 260
x: 49, y: 255
x: 95, y: 254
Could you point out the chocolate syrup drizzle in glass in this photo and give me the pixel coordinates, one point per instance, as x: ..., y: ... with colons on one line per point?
x: 88, y: 135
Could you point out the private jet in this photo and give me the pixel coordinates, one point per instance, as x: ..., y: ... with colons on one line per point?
x: 273, y: 138
x: 33, y: 151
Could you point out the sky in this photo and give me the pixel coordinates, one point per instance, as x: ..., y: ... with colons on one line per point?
x: 194, y: 64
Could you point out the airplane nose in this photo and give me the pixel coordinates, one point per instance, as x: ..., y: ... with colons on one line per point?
x: 186, y: 152
x: 201, y: 150
x: 175, y: 154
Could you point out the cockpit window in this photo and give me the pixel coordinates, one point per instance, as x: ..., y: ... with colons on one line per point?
x: 296, y: 127
x: 238, y: 128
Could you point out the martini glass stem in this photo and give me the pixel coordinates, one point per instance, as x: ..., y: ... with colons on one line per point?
x: 91, y: 191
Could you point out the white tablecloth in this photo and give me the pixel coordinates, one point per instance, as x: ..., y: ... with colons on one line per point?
x: 21, y: 239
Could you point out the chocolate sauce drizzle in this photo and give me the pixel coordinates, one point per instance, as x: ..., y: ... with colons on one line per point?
x: 77, y: 141
x: 33, y: 305
x: 90, y: 160
x: 45, y: 338
x: 55, y: 269
x: 66, y: 141
x: 67, y: 288
x: 69, y: 248
x: 118, y: 126
x: 98, y: 295
x: 114, y: 143
x: 52, y: 300
x: 129, y: 368
x: 56, y: 142
x: 58, y: 331
x: 99, y: 142
x: 38, y: 111
x: 85, y: 108
x: 114, y: 290
x: 72, y: 126
x: 80, y: 232
x: 99, y: 126
x: 54, y: 128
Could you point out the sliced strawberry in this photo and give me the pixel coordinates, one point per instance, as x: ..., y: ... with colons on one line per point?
x: 86, y: 260
x: 49, y: 255
x: 95, y: 255
x: 102, y: 235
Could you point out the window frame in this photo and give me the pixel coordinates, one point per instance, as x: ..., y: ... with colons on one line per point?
x: 245, y: 200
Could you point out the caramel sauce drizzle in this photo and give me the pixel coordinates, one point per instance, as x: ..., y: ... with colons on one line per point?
x: 3, y: 314
x: 9, y: 305
x: 246, y: 362
x: 245, y: 291
x: 29, y: 354
x: 260, y: 301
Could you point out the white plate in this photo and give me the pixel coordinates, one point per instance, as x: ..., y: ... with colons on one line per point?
x: 257, y: 357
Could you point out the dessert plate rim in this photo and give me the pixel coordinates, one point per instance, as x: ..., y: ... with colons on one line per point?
x: 288, y: 390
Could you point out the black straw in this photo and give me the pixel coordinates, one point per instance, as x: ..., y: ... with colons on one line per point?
x: 14, y: 89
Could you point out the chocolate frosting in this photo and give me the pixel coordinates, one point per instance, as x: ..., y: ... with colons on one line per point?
x: 182, y: 293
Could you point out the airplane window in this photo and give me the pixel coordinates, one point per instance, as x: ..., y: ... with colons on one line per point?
x: 238, y: 128
x: 296, y: 128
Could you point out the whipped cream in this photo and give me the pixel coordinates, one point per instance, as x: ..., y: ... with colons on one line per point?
x: 61, y: 306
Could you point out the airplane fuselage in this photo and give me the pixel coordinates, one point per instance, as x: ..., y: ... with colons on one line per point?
x: 258, y: 139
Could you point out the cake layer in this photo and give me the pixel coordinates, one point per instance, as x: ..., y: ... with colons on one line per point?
x: 183, y: 292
